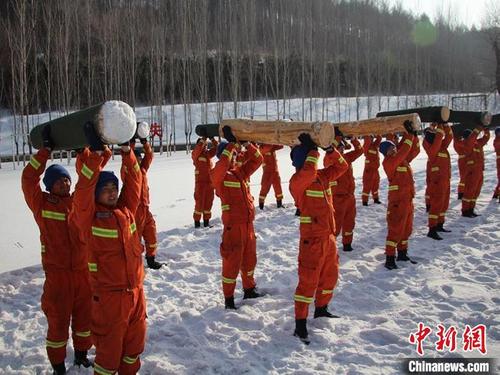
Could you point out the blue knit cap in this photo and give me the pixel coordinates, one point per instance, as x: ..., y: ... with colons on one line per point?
x: 104, y: 178
x: 299, y: 155
x: 384, y: 146
x: 220, y: 148
x: 54, y: 173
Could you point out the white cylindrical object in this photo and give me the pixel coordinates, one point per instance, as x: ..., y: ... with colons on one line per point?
x: 143, y: 129
x: 116, y: 122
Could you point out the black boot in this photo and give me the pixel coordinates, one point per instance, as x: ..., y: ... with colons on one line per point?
x: 427, y: 207
x: 301, y: 331
x: 206, y: 223
x: 390, y: 262
x: 365, y: 203
x: 279, y: 203
x: 473, y: 214
x: 376, y: 201
x: 460, y: 195
x: 440, y: 228
x: 197, y: 224
x: 59, y: 369
x: 320, y: 312
x: 297, y: 212
x: 495, y: 196
x: 251, y: 293
x: 434, y: 234
x: 402, y: 256
x: 347, y: 247
x: 81, y: 359
x: 468, y: 213
x: 229, y: 303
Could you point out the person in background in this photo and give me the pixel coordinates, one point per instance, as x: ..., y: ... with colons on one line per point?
x: 238, y: 247
x: 203, y: 189
x: 401, y: 192
x: 371, y: 177
x: 318, y: 265
x: 437, y: 138
x: 270, y: 175
x: 66, y: 297
x: 146, y: 225
x: 344, y: 201
x: 105, y: 217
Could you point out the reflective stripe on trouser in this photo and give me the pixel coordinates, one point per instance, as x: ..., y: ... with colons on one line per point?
x: 399, y: 225
x: 371, y: 182
x: 238, y: 252
x: 345, y: 216
x: 66, y: 300
x: 119, y: 330
x: 473, y: 184
x: 268, y: 179
x: 203, y: 200
x: 318, y: 273
x: 439, y: 200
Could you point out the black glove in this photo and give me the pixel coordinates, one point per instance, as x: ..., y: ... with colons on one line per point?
x: 328, y: 149
x: 202, y: 131
x: 152, y: 263
x: 306, y: 140
x: 228, y: 134
x: 93, y: 139
x: 409, y: 127
x: 46, y: 139
x: 143, y: 140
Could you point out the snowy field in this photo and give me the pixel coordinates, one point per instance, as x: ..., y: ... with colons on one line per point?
x: 455, y: 283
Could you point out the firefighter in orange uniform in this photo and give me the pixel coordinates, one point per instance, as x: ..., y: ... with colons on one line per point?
x: 270, y: 175
x: 472, y: 148
x: 238, y: 247
x: 106, y: 219
x: 318, y: 259
x: 371, y: 177
x: 496, y: 144
x: 203, y: 188
x: 146, y: 225
x: 401, y: 192
x: 436, y: 142
x: 344, y: 202
x: 66, y: 294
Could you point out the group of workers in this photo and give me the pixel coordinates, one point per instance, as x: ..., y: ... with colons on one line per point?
x: 91, y: 238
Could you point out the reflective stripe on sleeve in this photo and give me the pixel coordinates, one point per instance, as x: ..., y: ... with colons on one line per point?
x: 225, y: 207
x: 34, y: 163
x: 408, y: 142
x: 92, y: 267
x: 87, y: 172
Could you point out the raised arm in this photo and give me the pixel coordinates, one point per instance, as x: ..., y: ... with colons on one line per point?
x: 213, y: 149
x: 304, y: 176
x: 485, y: 138
x: 222, y: 166
x: 367, y: 142
x: 148, y: 156
x: 351, y: 156
x: 131, y: 190
x: 30, y: 180
x: 433, y: 148
x: 253, y: 160
x: 335, y: 167
x: 391, y: 163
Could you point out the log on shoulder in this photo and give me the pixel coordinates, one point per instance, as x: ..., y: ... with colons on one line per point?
x: 426, y: 114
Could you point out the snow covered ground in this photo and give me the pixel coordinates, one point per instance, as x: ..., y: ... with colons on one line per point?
x: 455, y: 283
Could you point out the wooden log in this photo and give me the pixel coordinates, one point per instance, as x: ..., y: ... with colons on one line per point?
x: 426, y: 114
x: 379, y: 125
x: 114, y: 121
x: 470, y: 118
x: 212, y: 130
x: 287, y: 132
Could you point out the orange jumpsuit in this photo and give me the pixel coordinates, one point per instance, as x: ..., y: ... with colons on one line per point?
x: 115, y: 265
x: 344, y: 202
x: 238, y: 247
x: 318, y: 259
x: 270, y: 175
x: 438, y: 175
x: 496, y: 144
x: 203, y: 188
x: 474, y: 167
x: 401, y: 193
x: 146, y: 225
x: 66, y: 292
x: 458, y: 145
x: 371, y: 177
